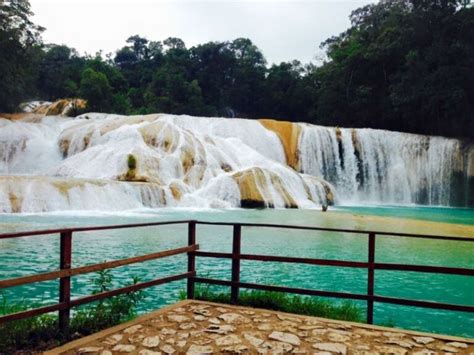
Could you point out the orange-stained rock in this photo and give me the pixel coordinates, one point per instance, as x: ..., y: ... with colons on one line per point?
x: 289, y: 134
x: 15, y: 202
x: 176, y: 190
x: 63, y: 107
x: 255, y: 192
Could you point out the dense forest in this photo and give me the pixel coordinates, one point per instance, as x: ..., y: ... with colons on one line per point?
x: 404, y: 65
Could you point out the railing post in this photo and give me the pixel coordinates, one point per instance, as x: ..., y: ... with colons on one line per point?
x: 191, y: 258
x: 236, y: 246
x: 65, y: 282
x: 370, y: 279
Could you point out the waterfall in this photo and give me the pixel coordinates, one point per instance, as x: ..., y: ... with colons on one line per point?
x: 112, y: 162
x: 382, y: 167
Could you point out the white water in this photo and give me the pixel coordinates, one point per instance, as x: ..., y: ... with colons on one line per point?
x: 59, y: 164
x: 382, y: 167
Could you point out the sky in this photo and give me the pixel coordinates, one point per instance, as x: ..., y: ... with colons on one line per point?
x: 283, y: 29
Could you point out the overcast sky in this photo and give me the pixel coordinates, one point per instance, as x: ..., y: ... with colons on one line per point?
x: 283, y: 30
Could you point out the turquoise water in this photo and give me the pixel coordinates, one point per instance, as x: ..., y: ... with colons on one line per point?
x: 29, y: 255
x: 437, y: 214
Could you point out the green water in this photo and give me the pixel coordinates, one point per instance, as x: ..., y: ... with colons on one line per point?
x: 29, y: 255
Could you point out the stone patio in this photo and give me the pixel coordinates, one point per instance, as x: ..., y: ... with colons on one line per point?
x: 194, y: 327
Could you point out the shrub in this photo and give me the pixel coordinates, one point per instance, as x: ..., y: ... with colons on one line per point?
x: 131, y: 162
x: 42, y: 332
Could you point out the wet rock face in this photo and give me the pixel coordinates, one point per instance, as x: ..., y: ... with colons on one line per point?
x: 255, y: 189
x: 289, y: 134
x: 237, y: 330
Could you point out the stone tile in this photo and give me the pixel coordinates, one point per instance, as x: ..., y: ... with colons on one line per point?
x: 200, y: 328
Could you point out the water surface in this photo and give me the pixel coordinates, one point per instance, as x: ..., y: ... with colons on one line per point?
x: 29, y: 255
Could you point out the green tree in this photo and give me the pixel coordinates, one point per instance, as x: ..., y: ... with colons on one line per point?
x: 59, y: 72
x: 171, y: 92
x: 19, y: 42
x: 248, y: 78
x: 403, y: 65
x: 95, y: 88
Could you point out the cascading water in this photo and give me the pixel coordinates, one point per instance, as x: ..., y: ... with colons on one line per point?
x: 382, y: 167
x: 112, y: 162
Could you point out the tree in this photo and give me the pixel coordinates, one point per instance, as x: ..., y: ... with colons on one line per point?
x: 59, y: 72
x: 248, y: 78
x: 139, y: 47
x: 19, y: 48
x: 403, y: 65
x: 95, y: 88
x: 171, y: 92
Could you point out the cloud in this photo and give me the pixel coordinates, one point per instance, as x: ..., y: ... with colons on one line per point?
x: 283, y: 30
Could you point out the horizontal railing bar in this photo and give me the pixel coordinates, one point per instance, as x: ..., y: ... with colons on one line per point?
x: 424, y: 304
x: 301, y: 291
x: 131, y: 288
x: 290, y: 226
x: 426, y: 268
x: 262, y: 225
x: 32, y: 312
x: 95, y: 267
x: 284, y: 259
x: 381, y: 299
x: 88, y: 299
x: 354, y: 264
x: 87, y: 229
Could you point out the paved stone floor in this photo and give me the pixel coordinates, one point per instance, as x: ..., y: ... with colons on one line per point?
x: 193, y: 327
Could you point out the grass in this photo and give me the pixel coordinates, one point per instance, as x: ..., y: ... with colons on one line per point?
x: 42, y: 332
x: 278, y: 301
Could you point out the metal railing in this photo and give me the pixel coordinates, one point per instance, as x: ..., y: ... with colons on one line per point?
x: 66, y: 271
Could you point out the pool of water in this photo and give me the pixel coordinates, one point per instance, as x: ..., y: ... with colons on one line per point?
x: 29, y: 255
x: 438, y: 214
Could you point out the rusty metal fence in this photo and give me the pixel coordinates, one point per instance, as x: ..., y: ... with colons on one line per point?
x: 66, y: 271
